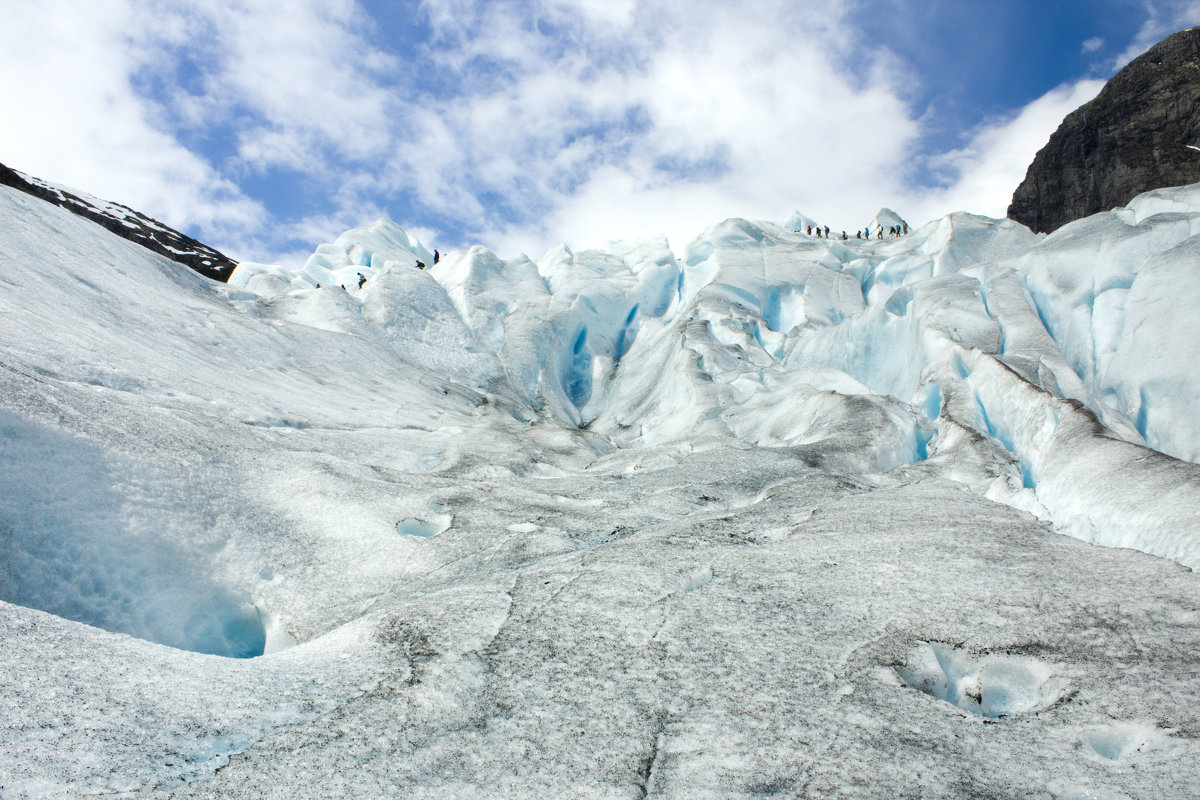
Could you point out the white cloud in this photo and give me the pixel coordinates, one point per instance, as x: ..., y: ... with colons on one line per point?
x: 73, y: 116
x: 687, y: 116
x: 100, y: 108
x: 1163, y: 17
x: 1092, y: 45
x: 982, y: 176
x: 618, y: 13
x: 311, y: 84
x: 517, y: 125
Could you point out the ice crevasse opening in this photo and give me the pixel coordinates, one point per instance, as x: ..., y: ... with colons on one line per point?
x: 70, y: 546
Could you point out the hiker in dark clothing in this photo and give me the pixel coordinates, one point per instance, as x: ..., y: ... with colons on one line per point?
x: 420, y: 265
x: 826, y: 231
x: 436, y: 256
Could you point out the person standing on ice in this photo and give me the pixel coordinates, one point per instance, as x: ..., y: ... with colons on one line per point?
x: 436, y: 256
x: 826, y: 231
x: 809, y: 231
x: 906, y: 229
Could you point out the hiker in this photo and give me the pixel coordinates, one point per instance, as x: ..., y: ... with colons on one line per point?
x: 420, y: 265
x: 844, y: 237
x: 826, y: 231
x: 361, y: 280
x: 436, y: 256
x: 809, y: 230
x: 906, y: 229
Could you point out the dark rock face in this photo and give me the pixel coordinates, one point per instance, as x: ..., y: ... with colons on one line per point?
x: 1133, y: 137
x: 128, y: 224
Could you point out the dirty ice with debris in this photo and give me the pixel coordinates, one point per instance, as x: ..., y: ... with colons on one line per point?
x: 767, y: 516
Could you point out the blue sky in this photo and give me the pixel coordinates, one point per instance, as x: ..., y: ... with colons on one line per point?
x: 265, y: 128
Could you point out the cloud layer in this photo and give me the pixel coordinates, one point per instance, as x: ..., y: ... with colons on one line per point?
x: 266, y: 128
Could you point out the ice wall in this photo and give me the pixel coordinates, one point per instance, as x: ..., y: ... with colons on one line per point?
x: 866, y: 355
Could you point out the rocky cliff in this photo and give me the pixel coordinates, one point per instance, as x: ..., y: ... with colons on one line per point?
x: 1140, y: 133
x: 128, y: 224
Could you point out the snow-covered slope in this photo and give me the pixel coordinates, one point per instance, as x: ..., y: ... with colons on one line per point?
x: 773, y: 516
x: 126, y: 223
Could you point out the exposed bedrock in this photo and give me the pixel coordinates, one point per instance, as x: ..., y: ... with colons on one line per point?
x: 1138, y: 134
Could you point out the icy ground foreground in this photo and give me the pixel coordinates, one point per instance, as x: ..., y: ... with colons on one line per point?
x: 775, y: 517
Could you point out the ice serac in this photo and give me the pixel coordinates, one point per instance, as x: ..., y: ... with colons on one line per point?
x: 865, y: 356
x: 1118, y: 292
x: 770, y: 516
x: 885, y: 221
x: 1138, y: 134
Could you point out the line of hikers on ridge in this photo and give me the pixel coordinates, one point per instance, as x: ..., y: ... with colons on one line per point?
x: 894, y: 232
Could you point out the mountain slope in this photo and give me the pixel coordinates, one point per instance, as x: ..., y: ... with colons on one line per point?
x: 128, y: 224
x: 1140, y: 133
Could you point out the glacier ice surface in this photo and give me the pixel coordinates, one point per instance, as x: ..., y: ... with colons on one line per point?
x: 770, y: 516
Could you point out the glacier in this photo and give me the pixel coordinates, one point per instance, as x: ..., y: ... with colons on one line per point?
x: 772, y: 516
